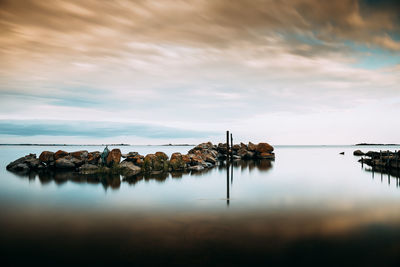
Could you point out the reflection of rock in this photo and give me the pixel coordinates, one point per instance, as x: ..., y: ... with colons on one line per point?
x: 88, y: 169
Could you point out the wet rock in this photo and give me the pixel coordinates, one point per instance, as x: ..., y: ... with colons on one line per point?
x: 196, y: 168
x: 88, y: 169
x: 266, y: 155
x: 210, y: 159
x: 177, y: 163
x: 65, y: 163
x: 245, y: 154
x: 46, y: 157
x: 186, y: 159
x: 263, y: 148
x: 114, y: 157
x: 358, y: 153
x: 24, y: 164
x: 93, y: 157
x: 33, y: 163
x: 129, y: 169
x: 251, y: 147
x: 82, y: 154
x: 161, y: 156
x: 60, y: 154
x: 236, y: 147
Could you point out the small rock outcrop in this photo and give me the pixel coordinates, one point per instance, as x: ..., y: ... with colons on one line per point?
x: 358, y: 153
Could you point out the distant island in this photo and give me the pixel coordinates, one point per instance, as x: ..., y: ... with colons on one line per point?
x: 371, y: 144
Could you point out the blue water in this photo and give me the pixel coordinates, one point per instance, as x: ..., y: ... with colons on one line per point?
x: 310, y: 201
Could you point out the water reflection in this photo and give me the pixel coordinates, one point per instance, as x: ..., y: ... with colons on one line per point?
x: 382, y: 172
x: 114, y: 181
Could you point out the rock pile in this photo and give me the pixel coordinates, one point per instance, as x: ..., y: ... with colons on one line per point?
x: 203, y: 156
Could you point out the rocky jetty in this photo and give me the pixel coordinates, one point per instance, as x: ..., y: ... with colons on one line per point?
x: 382, y: 160
x: 199, y: 158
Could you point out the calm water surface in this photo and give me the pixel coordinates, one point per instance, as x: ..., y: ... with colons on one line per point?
x: 309, y: 206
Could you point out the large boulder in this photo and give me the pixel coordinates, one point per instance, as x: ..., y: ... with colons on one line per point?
x: 264, y: 148
x: 60, y: 154
x: 46, y: 157
x: 129, y: 169
x: 24, y: 164
x: 114, y: 157
x: 65, y: 163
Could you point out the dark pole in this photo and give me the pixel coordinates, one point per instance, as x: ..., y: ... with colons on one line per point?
x: 231, y: 148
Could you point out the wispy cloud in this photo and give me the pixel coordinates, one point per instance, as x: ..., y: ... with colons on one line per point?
x: 195, y: 64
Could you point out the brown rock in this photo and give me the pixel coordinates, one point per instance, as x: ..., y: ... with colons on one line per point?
x: 93, y: 157
x: 82, y: 154
x: 264, y: 148
x: 186, y: 159
x: 251, y: 147
x: 114, y: 157
x: 60, y: 154
x: 161, y: 156
x: 266, y: 155
x: 46, y: 156
x: 176, y: 155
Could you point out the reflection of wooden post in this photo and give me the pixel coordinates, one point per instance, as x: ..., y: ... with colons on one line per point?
x: 227, y: 183
x: 227, y: 146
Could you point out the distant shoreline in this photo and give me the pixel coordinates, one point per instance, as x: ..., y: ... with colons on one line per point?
x: 368, y: 144
x: 91, y: 145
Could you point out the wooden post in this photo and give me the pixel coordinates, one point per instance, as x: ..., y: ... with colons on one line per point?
x: 227, y: 146
x: 231, y: 148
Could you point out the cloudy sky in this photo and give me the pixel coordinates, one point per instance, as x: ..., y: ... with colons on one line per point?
x: 155, y: 72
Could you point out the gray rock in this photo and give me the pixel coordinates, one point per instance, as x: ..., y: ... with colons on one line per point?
x: 65, y: 163
x: 128, y: 168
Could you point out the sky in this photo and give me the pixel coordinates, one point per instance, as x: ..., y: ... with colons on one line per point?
x: 284, y: 72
